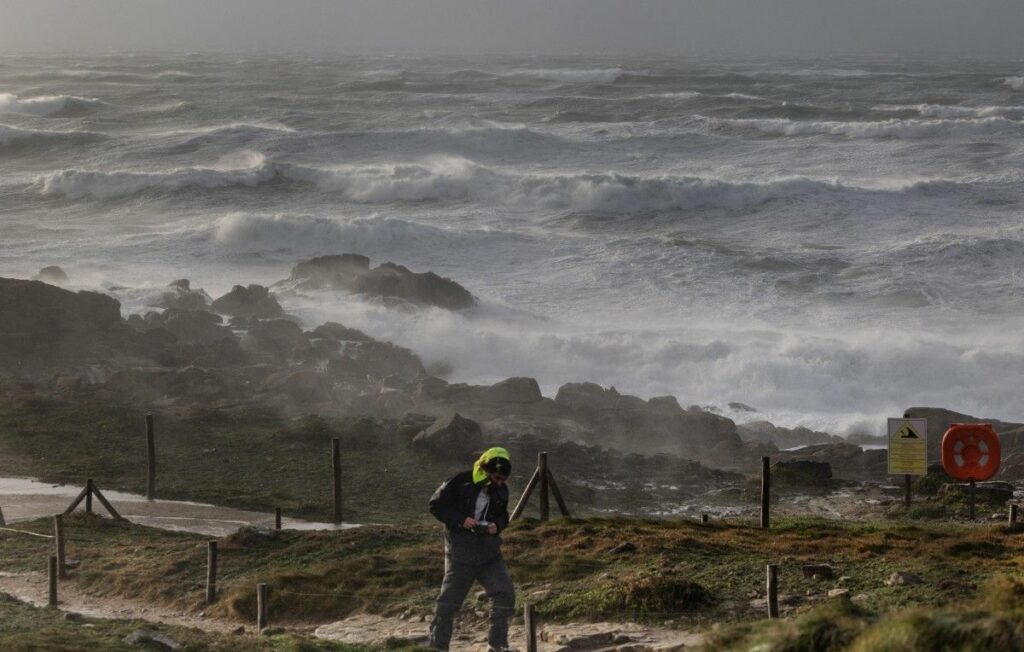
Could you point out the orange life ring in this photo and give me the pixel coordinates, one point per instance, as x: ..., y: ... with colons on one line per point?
x: 970, y: 451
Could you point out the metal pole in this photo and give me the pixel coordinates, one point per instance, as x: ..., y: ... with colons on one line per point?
x: 766, y: 491
x: 907, y: 487
x: 971, y: 501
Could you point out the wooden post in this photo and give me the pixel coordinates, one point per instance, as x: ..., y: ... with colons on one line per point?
x: 773, y: 591
x: 703, y: 519
x: 526, y: 496
x: 336, y: 465
x: 542, y: 472
x: 211, y: 572
x: 51, y: 576
x: 530, y: 625
x: 106, y: 504
x: 261, y: 606
x: 78, y: 499
x: 908, y: 490
x: 150, y: 459
x: 766, y: 491
x: 3, y: 523
x: 88, y: 496
x: 971, y: 500
x: 58, y: 540
x: 557, y: 493
x: 277, y: 518
x: 1013, y: 515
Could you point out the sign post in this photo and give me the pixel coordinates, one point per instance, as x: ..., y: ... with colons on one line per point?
x: 908, y: 451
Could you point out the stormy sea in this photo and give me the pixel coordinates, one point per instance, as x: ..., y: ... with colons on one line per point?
x: 826, y: 241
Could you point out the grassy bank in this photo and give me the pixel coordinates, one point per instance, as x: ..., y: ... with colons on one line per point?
x: 676, y: 571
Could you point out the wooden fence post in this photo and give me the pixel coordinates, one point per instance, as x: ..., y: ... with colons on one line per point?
x: 773, y: 591
x: 542, y: 470
x: 3, y: 523
x: 908, y: 490
x: 766, y: 492
x: 261, y: 607
x: 277, y: 518
x: 973, y: 491
x: 150, y: 459
x: 211, y: 572
x: 1013, y: 515
x: 703, y: 519
x: 530, y: 625
x: 51, y: 576
x: 58, y: 539
x: 336, y: 465
x: 88, y: 496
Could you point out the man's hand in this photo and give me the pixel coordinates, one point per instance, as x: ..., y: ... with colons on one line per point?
x: 469, y: 523
x: 492, y: 529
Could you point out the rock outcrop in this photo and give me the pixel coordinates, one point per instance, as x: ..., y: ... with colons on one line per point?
x: 352, y: 273
x: 253, y: 302
x: 53, y: 275
x: 452, y: 435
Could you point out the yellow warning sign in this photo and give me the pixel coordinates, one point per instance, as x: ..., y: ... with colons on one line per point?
x: 908, y: 447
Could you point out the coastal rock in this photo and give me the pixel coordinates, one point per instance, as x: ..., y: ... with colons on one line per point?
x: 451, y: 434
x: 352, y: 273
x: 303, y: 386
x: 847, y: 461
x: 764, y: 431
x: 254, y: 301
x: 802, y: 474
x: 277, y: 335
x: 181, y: 296
x: 515, y: 390
x: 335, y: 331
x: 187, y: 325
x: 53, y: 275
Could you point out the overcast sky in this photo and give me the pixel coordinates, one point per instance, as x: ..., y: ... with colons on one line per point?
x: 883, y: 27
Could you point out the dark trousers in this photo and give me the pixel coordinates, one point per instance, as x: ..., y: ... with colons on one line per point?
x: 458, y: 579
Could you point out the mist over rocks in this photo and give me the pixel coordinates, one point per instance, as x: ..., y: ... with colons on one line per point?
x: 180, y: 295
x: 352, y: 273
x: 53, y: 275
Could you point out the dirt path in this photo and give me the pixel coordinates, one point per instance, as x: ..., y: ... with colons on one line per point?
x: 472, y: 636
x: 31, y: 587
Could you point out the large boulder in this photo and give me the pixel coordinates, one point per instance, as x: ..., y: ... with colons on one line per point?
x: 194, y: 326
x: 515, y: 390
x: 180, y: 295
x: 335, y: 331
x: 452, y: 435
x: 846, y: 461
x: 278, y: 335
x: 42, y: 324
x: 254, y: 301
x: 352, y: 273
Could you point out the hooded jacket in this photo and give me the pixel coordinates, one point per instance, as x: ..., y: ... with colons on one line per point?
x: 455, y: 501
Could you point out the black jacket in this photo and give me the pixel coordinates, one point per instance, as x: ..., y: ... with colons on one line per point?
x: 455, y: 500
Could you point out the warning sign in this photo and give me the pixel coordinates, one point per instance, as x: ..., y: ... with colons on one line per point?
x: 908, y: 447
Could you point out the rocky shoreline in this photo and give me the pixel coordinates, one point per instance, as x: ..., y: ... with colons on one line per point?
x: 243, y: 351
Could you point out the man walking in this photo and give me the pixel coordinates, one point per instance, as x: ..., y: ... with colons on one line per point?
x: 473, y: 506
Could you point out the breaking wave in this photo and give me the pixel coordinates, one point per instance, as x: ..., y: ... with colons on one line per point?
x: 573, y: 75
x: 12, y: 136
x: 47, y: 105
x: 1016, y: 83
x: 454, y: 178
x: 960, y: 127
x: 946, y: 111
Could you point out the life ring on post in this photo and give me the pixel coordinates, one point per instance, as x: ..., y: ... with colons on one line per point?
x: 970, y: 451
